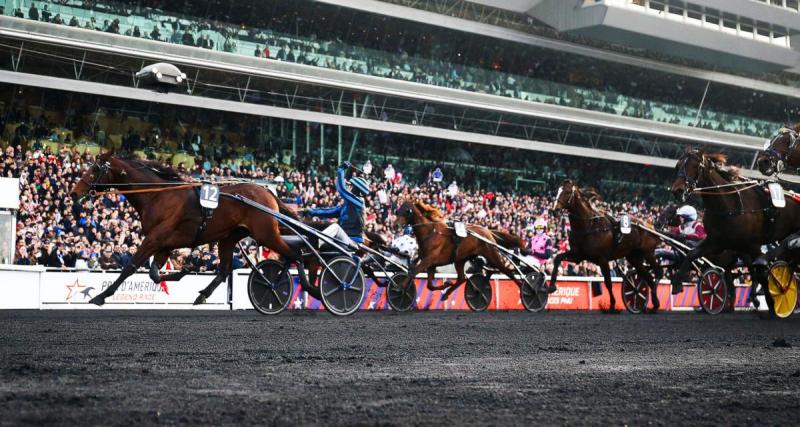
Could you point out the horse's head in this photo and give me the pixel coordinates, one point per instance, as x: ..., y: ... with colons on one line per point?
x: 405, y: 213
x: 99, y: 173
x: 689, y: 169
x: 777, y: 151
x: 566, y: 195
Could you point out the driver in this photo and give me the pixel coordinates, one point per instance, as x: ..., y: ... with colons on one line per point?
x: 689, y: 231
x: 349, y: 227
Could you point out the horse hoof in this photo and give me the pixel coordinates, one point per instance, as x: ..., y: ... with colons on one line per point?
x: 677, y: 289
x: 551, y: 289
x: 98, y: 300
x: 201, y: 299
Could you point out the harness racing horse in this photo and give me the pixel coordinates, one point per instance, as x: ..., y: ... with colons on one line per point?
x: 438, y: 245
x: 739, y: 215
x: 781, y: 152
x: 593, y: 237
x: 172, y: 218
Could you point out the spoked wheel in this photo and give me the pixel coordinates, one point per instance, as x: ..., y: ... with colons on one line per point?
x: 532, y: 293
x: 270, y: 297
x: 782, y: 285
x: 635, y: 293
x: 712, y: 291
x: 342, y: 286
x: 401, y: 297
x: 478, y: 292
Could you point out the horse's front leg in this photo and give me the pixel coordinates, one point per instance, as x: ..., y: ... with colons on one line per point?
x: 563, y: 256
x: 607, y: 279
x: 461, y: 278
x: 148, y: 248
x: 155, y: 269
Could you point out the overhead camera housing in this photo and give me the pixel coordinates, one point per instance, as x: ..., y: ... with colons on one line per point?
x: 163, y: 76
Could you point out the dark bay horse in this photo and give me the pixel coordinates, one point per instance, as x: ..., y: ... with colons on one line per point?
x: 739, y: 215
x: 593, y: 238
x: 781, y: 152
x: 438, y: 245
x: 171, y: 217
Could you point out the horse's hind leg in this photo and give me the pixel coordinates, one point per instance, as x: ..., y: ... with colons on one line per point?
x: 223, y: 270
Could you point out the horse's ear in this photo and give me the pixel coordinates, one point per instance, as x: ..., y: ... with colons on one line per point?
x: 702, y: 150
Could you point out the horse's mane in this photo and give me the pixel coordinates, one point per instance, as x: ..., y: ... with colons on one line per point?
x: 731, y: 173
x: 592, y: 194
x: 157, y: 168
x: 430, y: 212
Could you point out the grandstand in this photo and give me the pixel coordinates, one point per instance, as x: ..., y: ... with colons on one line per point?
x: 285, y: 87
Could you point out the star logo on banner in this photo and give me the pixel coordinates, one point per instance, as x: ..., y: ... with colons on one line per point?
x: 298, y: 303
x: 74, y: 288
x: 371, y: 305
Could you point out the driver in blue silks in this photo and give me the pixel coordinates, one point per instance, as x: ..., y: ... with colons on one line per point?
x: 350, y: 214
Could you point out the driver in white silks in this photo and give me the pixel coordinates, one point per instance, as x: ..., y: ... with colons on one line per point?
x: 350, y: 214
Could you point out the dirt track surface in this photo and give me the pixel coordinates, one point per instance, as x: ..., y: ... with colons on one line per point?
x: 123, y: 367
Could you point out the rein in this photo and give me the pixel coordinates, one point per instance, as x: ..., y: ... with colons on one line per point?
x: 171, y: 187
x: 704, y: 191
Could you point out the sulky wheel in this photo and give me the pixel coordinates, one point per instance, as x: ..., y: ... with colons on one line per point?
x: 270, y: 297
x: 342, y: 286
x: 478, y: 292
x: 635, y: 292
x: 401, y: 296
x: 712, y: 291
x: 782, y: 285
x: 532, y: 293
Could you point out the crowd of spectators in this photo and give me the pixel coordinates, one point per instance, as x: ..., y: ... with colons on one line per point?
x: 55, y: 231
x: 555, y: 78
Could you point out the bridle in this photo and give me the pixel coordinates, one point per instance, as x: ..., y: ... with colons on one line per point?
x: 777, y: 159
x: 102, y: 170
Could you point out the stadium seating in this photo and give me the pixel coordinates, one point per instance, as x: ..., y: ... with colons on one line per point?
x: 244, y: 41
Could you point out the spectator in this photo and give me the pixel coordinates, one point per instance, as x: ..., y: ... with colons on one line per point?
x: 389, y: 173
x: 45, y: 14
x: 33, y: 12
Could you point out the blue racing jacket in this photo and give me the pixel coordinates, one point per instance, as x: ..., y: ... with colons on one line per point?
x: 350, y: 214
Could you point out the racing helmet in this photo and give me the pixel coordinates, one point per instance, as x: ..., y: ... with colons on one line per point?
x: 360, y: 184
x: 687, y: 212
x: 539, y: 223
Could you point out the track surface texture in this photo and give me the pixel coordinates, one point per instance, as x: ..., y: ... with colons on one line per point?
x: 159, y: 367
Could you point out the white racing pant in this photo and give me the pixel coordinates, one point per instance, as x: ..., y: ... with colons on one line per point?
x: 336, y: 232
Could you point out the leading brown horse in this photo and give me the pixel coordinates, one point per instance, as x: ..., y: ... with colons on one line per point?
x: 738, y: 217
x: 594, y: 238
x: 438, y: 245
x: 171, y: 217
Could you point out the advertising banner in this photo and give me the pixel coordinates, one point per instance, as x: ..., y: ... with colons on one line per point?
x: 75, y: 289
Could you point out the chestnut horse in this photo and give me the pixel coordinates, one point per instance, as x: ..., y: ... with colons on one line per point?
x: 438, y: 245
x: 593, y: 238
x: 171, y: 217
x: 781, y: 152
x: 739, y: 215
